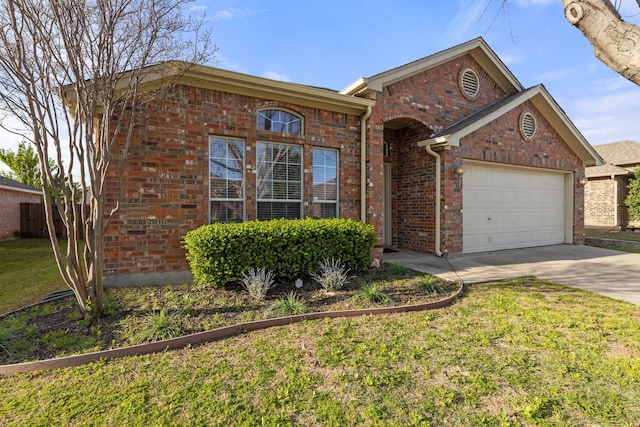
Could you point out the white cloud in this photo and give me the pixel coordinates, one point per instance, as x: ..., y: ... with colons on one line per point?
x: 236, y: 13
x: 274, y: 75
x: 232, y: 13
x: 604, y: 118
x: 468, y: 15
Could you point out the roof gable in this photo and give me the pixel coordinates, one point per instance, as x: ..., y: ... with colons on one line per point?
x: 545, y: 104
x: 477, y: 48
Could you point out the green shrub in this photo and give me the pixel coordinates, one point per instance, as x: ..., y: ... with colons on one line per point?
x: 291, y: 249
x: 633, y: 197
x: 333, y: 274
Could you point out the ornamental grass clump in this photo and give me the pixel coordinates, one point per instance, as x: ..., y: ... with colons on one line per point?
x: 258, y: 282
x: 333, y: 275
x: 430, y: 284
x: 370, y: 292
x: 288, y: 305
x: 160, y: 325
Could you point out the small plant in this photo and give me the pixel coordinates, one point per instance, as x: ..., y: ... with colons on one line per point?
x: 160, y: 325
x: 398, y: 269
x: 7, y: 336
x: 370, y: 292
x: 257, y: 282
x: 290, y: 304
x: 430, y: 284
x: 332, y: 275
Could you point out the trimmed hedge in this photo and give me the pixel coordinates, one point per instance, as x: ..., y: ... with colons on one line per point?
x: 219, y: 252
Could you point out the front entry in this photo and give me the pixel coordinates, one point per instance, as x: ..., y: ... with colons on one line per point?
x: 388, y: 221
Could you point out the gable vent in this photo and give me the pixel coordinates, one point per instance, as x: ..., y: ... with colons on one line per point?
x: 469, y: 83
x: 528, y: 125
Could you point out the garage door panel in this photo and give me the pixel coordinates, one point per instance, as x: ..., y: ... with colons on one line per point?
x: 511, y: 208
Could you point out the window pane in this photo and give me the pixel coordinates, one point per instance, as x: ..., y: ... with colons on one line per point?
x: 276, y: 210
x: 325, y: 174
x: 279, y: 179
x: 226, y: 171
x: 279, y: 121
x: 227, y: 211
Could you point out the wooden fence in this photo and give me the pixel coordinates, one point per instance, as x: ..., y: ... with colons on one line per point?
x: 33, y: 222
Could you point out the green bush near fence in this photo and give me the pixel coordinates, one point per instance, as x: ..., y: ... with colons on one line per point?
x: 218, y: 253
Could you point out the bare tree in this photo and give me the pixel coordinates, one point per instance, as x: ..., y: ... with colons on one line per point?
x: 71, y: 72
x: 615, y: 42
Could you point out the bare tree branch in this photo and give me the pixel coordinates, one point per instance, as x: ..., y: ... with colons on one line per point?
x: 67, y: 67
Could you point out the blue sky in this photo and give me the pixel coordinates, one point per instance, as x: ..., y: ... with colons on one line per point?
x: 330, y: 43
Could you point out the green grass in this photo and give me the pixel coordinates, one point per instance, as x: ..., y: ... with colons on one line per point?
x: 28, y: 272
x: 519, y: 352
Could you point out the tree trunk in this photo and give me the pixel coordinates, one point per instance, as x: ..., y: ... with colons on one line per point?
x: 615, y: 42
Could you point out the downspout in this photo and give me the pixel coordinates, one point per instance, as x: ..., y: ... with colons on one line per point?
x: 435, y: 155
x: 363, y: 165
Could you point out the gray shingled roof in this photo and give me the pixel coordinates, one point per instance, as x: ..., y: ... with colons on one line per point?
x: 18, y: 185
x: 480, y: 114
x: 620, y: 153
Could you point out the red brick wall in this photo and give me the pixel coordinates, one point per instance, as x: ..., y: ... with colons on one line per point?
x: 431, y: 100
x: 10, y: 211
x: 165, y: 183
x: 413, y: 109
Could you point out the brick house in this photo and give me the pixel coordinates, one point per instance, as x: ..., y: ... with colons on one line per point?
x: 606, y: 190
x: 12, y: 193
x: 449, y: 153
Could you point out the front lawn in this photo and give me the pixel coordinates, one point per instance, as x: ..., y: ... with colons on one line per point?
x: 519, y: 352
x: 28, y: 272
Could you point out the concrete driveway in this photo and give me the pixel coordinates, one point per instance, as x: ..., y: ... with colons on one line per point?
x: 612, y: 273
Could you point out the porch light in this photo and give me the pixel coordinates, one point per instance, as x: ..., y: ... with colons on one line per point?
x: 583, y: 180
x: 460, y: 170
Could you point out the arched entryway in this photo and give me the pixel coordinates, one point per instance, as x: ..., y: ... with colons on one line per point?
x: 409, y: 186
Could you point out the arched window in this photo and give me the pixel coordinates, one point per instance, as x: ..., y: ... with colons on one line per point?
x: 277, y: 120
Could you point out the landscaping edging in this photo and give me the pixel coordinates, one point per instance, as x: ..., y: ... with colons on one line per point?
x: 213, y: 335
x: 612, y: 243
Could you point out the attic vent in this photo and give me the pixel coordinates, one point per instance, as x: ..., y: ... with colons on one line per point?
x: 469, y: 83
x: 527, y: 125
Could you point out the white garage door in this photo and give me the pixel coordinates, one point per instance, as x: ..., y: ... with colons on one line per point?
x: 506, y: 208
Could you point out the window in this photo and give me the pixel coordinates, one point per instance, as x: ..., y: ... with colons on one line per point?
x: 325, y: 183
x: 279, y: 181
x: 279, y: 121
x: 226, y: 179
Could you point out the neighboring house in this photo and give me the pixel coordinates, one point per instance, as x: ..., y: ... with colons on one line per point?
x: 606, y: 190
x: 449, y: 153
x: 12, y: 193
